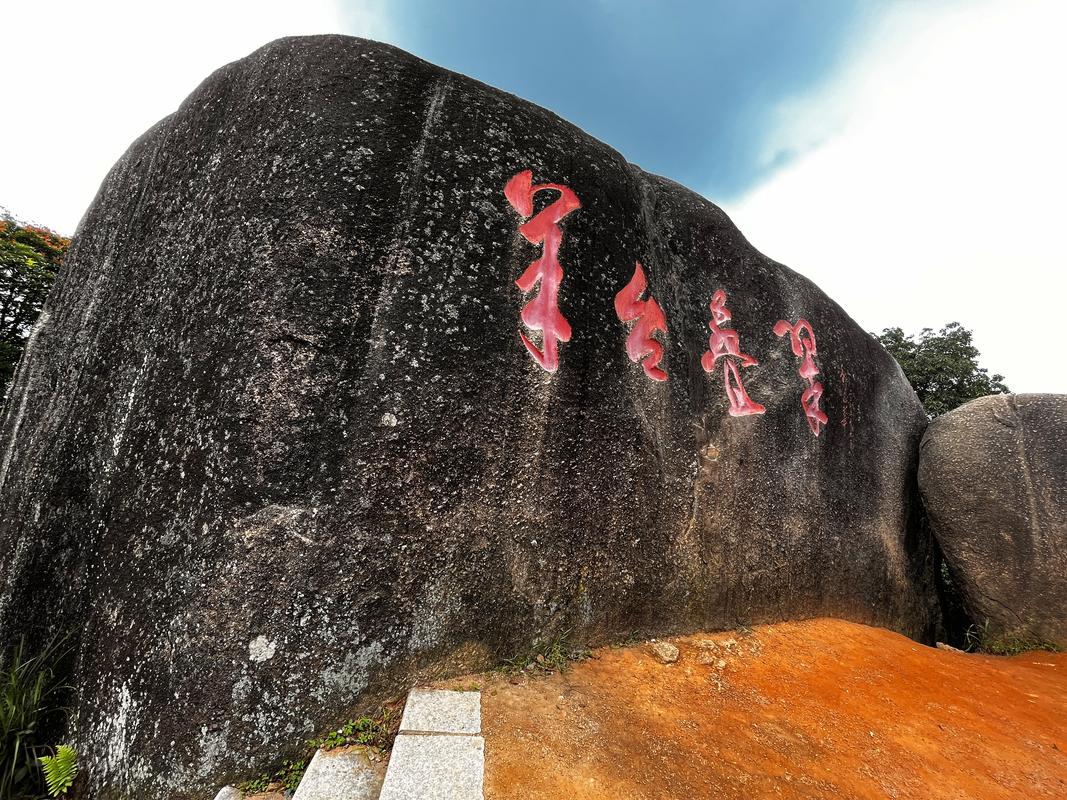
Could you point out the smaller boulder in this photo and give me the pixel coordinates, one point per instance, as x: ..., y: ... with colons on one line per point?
x: 664, y: 652
x: 993, y: 478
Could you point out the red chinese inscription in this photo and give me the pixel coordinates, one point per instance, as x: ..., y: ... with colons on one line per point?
x: 629, y: 306
x: 724, y: 343
x: 804, y: 349
x: 542, y: 312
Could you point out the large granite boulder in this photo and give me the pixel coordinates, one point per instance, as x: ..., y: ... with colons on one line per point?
x: 360, y: 368
x: 993, y: 476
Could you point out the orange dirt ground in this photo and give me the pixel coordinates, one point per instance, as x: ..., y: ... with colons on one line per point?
x: 821, y: 708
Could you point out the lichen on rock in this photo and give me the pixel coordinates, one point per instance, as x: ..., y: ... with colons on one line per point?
x: 282, y: 441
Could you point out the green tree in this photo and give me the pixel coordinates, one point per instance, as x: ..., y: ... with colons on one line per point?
x: 30, y: 258
x: 942, y: 367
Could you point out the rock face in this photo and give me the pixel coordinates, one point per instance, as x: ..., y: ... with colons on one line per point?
x: 337, y: 386
x: 993, y: 476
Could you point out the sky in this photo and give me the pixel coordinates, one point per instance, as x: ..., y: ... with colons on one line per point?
x: 909, y: 157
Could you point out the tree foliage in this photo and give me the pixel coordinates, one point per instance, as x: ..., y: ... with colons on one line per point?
x: 30, y: 258
x: 942, y: 367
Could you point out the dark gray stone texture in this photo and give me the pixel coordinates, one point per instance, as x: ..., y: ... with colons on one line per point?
x: 276, y: 449
x: 993, y: 476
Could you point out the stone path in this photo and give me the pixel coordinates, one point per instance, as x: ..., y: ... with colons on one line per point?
x: 344, y: 773
x: 439, y: 754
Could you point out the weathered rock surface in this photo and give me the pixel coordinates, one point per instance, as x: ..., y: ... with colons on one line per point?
x: 993, y: 476
x: 277, y: 447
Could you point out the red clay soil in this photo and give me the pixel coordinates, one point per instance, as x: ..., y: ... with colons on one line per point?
x: 821, y: 708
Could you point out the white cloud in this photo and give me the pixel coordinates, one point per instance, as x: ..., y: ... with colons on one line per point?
x: 87, y: 78
x: 944, y: 194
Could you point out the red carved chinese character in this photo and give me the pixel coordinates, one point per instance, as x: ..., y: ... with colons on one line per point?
x: 726, y: 344
x: 804, y: 349
x: 542, y: 313
x: 629, y: 306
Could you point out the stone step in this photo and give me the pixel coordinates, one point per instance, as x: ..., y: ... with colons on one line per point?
x: 439, y: 753
x: 442, y: 711
x: 344, y: 773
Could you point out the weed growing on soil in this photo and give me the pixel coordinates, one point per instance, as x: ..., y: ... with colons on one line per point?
x: 288, y: 777
x: 546, y: 657
x: 466, y: 687
x: 979, y: 641
x: 376, y: 732
x: 1012, y: 646
x: 632, y: 638
x: 373, y: 732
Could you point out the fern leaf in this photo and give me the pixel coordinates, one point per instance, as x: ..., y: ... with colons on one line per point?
x: 60, y: 770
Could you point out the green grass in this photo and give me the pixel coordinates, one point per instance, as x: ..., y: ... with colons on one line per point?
x: 546, y: 657
x: 30, y: 690
x: 979, y: 640
x: 1013, y: 646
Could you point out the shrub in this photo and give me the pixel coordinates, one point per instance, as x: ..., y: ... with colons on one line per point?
x: 30, y: 690
x: 980, y: 640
